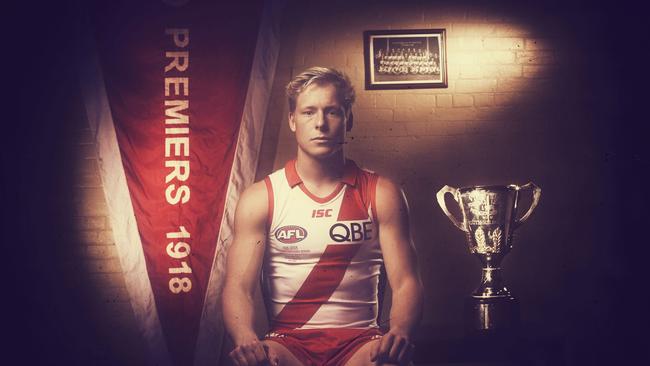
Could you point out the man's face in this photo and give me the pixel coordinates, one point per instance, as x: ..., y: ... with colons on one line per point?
x: 318, y: 121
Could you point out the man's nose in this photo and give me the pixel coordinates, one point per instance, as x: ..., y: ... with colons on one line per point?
x: 321, y: 121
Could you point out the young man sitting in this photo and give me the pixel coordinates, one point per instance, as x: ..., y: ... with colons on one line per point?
x: 319, y: 231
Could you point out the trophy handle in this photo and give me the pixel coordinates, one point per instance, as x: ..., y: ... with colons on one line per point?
x: 440, y: 196
x: 537, y: 192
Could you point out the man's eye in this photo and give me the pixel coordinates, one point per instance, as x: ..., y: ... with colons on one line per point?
x: 308, y: 113
x: 335, y: 113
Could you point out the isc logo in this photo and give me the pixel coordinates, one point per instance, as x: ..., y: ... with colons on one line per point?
x: 290, y: 234
x: 321, y: 213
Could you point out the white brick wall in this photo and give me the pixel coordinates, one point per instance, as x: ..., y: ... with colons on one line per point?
x: 95, y: 264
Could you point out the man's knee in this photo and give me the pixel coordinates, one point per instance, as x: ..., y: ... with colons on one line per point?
x: 285, y: 356
x: 362, y: 355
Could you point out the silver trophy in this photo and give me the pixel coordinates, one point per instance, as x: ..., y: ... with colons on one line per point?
x: 489, y: 220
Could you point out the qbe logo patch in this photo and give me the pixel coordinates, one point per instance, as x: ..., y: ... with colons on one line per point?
x: 351, y: 232
x: 290, y: 234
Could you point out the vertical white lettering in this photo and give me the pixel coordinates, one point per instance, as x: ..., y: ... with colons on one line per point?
x: 177, y: 113
x: 177, y: 131
x: 176, y: 63
x: 178, y: 143
x: 181, y: 170
x: 173, y: 195
x: 181, y: 36
x: 182, y: 234
x: 178, y: 83
x: 176, y: 106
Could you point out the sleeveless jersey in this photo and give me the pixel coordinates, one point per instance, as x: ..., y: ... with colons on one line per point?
x: 322, y: 262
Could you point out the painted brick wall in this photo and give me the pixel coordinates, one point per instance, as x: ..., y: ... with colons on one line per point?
x: 95, y: 267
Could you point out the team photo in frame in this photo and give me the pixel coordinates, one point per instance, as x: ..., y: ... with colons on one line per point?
x: 405, y: 59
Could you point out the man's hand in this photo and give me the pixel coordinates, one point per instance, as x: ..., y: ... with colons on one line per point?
x: 253, y: 353
x: 394, y: 347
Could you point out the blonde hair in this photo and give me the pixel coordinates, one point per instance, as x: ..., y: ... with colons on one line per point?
x: 321, y: 75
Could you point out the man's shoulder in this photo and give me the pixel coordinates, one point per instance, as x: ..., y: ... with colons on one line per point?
x: 252, y: 207
x: 390, y: 198
x: 362, y: 172
x: 255, y: 193
x: 260, y: 190
x: 370, y: 174
x: 387, y: 186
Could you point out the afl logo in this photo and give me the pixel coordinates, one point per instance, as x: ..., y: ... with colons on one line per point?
x: 290, y: 234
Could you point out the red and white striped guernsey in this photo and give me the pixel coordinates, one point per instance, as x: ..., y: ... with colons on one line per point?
x: 322, y: 263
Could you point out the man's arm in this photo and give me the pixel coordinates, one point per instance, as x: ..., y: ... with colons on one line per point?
x: 401, y: 267
x: 243, y: 273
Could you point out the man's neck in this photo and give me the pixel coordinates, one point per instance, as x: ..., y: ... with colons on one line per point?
x: 320, y: 173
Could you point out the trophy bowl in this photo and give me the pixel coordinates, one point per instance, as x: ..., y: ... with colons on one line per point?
x: 489, y: 220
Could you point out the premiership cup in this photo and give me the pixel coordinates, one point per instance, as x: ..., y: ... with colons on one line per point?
x: 489, y: 220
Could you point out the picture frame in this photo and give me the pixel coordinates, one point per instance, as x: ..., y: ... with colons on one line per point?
x: 405, y: 59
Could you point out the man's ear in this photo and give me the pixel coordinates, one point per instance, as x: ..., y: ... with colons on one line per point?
x: 350, y: 122
x: 292, y: 122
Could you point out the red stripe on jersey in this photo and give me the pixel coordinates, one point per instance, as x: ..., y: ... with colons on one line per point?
x: 319, y: 285
x: 269, y: 194
x: 291, y: 173
x: 352, y: 207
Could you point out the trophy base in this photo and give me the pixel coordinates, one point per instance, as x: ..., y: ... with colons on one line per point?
x: 491, y: 314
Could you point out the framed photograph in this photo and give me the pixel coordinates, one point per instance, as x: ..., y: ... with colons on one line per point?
x: 405, y: 59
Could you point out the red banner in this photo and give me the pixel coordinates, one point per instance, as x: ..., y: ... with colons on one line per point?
x: 176, y: 74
